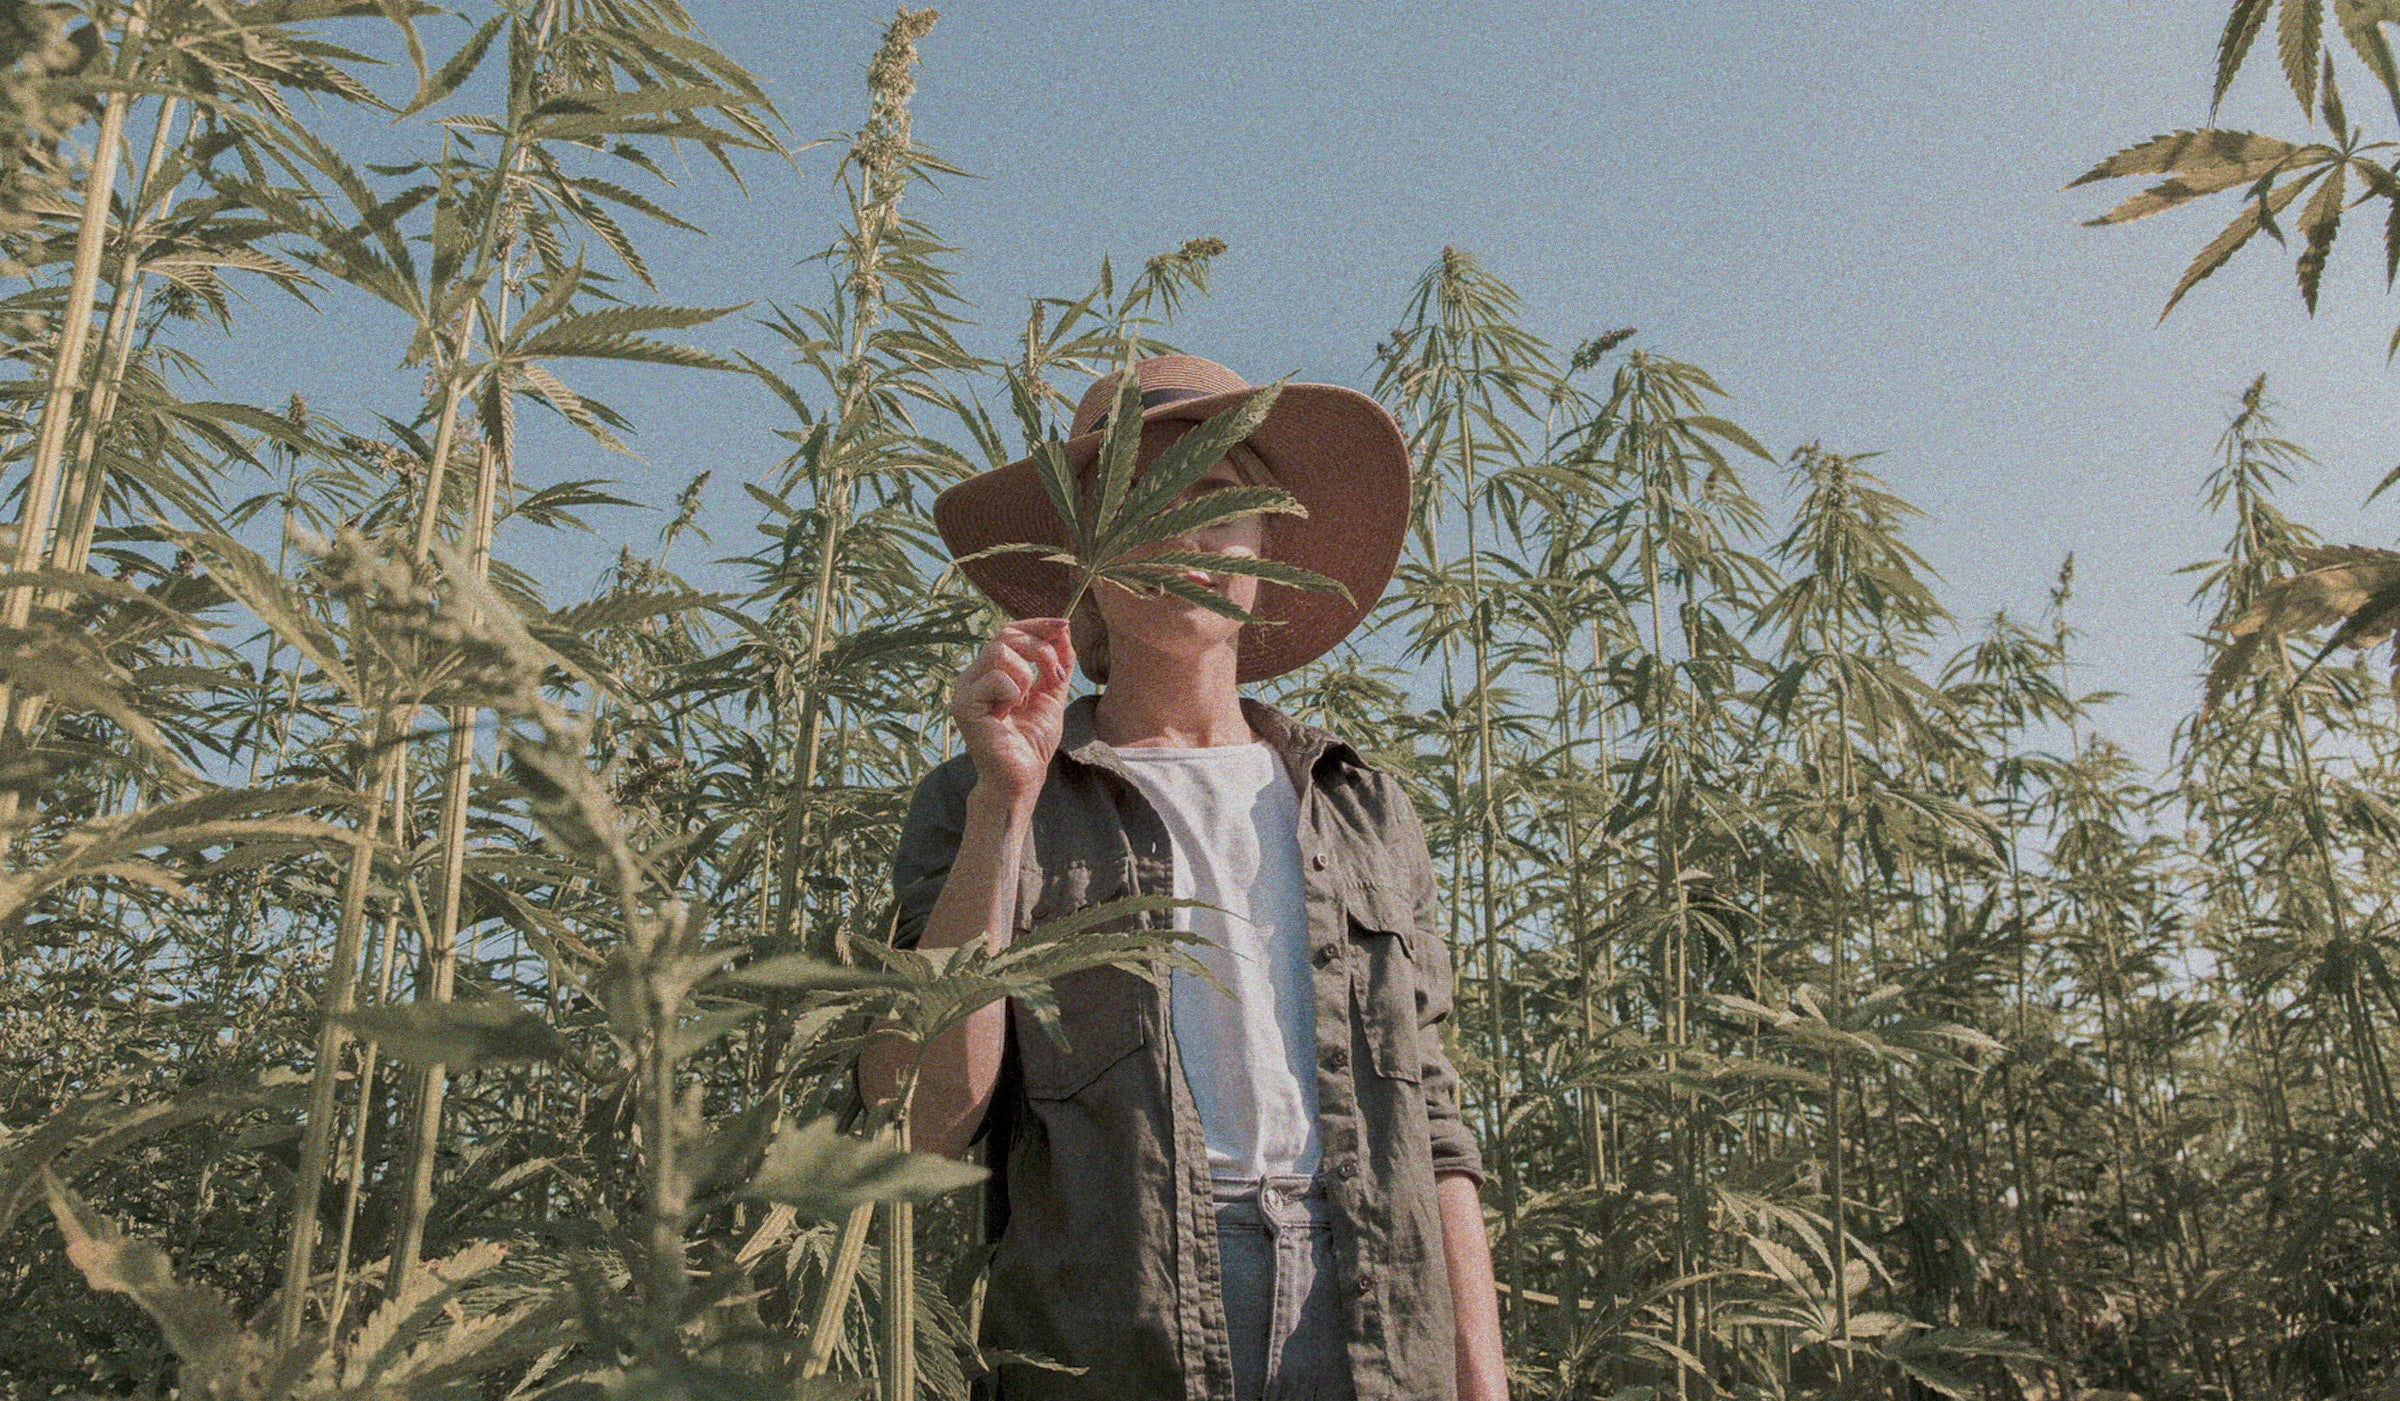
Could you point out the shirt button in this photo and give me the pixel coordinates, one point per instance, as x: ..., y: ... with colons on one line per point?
x: 1320, y: 861
x: 1348, y: 1169
x: 1336, y: 1057
x: 1327, y: 953
x: 1366, y: 1285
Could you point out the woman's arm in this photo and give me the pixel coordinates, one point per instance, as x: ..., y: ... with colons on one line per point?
x: 1475, y: 1299
x: 979, y: 899
x: 1008, y: 704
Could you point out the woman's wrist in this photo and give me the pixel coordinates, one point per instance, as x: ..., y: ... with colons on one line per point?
x: 993, y: 802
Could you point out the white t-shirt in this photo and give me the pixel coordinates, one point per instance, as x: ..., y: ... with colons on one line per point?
x: 1250, y: 1058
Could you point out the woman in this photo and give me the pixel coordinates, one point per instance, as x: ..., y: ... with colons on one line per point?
x: 1262, y: 1189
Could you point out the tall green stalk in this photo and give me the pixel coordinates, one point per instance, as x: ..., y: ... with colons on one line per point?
x: 36, y: 508
x: 39, y: 501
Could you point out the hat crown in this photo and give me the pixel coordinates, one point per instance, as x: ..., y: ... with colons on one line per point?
x: 1163, y: 378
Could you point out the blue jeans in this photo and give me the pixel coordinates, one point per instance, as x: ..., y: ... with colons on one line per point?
x: 1275, y: 1242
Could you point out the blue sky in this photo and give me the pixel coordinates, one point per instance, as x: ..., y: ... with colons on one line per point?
x: 1851, y: 212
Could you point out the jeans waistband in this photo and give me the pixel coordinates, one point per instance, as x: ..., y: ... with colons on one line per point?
x: 1281, y: 1186
x: 1275, y: 1204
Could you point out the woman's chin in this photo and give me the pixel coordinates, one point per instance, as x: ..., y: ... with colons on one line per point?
x: 1176, y: 627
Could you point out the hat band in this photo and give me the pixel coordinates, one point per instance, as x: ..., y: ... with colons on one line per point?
x: 1151, y: 399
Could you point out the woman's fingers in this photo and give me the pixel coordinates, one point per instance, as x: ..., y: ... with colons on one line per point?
x: 990, y: 695
x: 1017, y: 667
x: 1025, y: 643
x: 1044, y: 671
x: 1047, y: 644
x: 1018, y: 651
x: 1026, y: 658
x: 1035, y: 635
x: 997, y: 655
x: 978, y: 683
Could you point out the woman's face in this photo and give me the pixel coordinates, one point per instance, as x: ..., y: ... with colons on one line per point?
x: 1166, y: 623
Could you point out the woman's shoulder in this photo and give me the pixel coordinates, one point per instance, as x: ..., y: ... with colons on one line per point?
x: 1366, y: 762
x: 1379, y: 779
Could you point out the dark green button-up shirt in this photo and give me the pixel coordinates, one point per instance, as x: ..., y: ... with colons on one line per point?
x: 1099, y: 1200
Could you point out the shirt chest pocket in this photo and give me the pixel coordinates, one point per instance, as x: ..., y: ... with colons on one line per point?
x: 1383, y: 970
x: 1100, y: 1010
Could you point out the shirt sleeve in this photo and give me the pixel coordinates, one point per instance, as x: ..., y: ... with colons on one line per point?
x: 929, y: 838
x: 928, y: 846
x: 1454, y: 1147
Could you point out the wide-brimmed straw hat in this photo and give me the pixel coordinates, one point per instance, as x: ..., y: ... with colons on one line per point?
x: 1334, y: 449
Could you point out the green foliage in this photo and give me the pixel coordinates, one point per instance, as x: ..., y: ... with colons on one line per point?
x: 2271, y: 173
x: 821, y: 1173
x: 1839, y: 1018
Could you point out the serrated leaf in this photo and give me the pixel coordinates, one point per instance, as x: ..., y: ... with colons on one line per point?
x: 256, y: 586
x: 400, y: 1318
x: 617, y: 321
x: 633, y: 200
x: 95, y: 1127
x: 2362, y: 24
x: 2241, y: 31
x: 2192, y: 152
x: 2244, y: 227
x: 200, y: 1325
x: 1731, y: 432
x: 570, y: 405
x: 2356, y: 586
x: 796, y: 972
x: 2391, y: 223
x: 1185, y: 461
x: 1163, y: 571
x: 1223, y: 505
x: 2299, y: 29
x: 1120, y: 450
x: 625, y: 607
x: 821, y: 1173
x: 459, y: 68
x: 2169, y: 194
x: 2320, y: 221
x: 639, y: 350
x: 71, y: 678
x: 1058, y: 483
x: 460, y: 1035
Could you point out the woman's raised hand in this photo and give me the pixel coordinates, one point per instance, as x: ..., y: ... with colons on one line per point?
x: 1009, y: 704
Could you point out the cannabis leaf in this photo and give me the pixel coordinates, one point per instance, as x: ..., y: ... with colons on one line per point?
x: 2355, y: 586
x: 1116, y: 527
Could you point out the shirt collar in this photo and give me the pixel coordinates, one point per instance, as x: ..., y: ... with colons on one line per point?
x: 1299, y: 743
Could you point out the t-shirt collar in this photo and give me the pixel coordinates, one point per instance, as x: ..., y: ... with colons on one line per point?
x: 1298, y: 743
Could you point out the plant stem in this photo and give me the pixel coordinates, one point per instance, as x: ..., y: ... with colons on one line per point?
x: 32, y: 544
x: 81, y: 512
x: 75, y: 324
x: 354, y: 1174
x: 341, y: 981
x: 900, y: 1287
x: 441, y: 953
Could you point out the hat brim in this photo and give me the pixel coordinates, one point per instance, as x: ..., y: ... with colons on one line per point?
x: 1335, y: 450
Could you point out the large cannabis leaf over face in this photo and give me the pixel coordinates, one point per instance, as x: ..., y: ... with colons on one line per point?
x: 1117, y: 524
